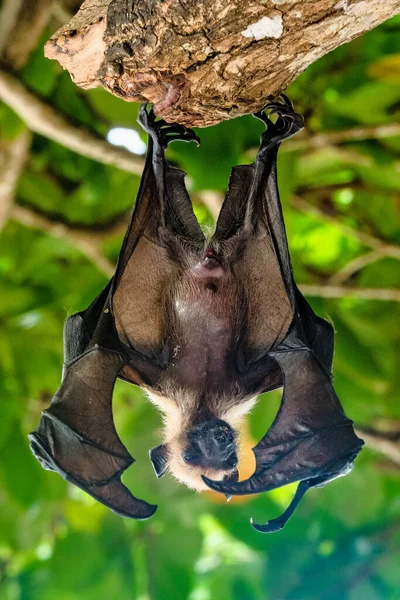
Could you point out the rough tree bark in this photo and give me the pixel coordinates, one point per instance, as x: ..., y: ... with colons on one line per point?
x: 204, y: 61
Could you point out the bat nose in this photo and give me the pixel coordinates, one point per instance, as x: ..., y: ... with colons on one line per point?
x: 212, y: 445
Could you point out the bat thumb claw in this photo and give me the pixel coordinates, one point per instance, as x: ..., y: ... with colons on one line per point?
x: 269, y: 527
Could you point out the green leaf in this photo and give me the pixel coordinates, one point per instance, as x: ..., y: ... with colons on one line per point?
x: 369, y: 103
x: 114, y: 111
x: 20, y: 472
x: 10, y: 124
x: 40, y: 73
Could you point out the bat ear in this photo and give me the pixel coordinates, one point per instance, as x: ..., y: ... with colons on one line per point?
x: 159, y: 459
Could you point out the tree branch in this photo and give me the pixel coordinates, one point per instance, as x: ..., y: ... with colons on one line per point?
x: 44, y: 120
x: 21, y: 25
x: 338, y: 291
x: 9, y: 18
x: 354, y: 266
x: 13, y: 154
x: 204, y: 62
x: 17, y: 19
x: 330, y: 138
x: 385, y: 442
x: 89, y: 243
x: 385, y: 249
x: 60, y: 13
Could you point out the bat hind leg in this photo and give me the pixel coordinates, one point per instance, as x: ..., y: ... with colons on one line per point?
x: 161, y: 132
x: 288, y: 123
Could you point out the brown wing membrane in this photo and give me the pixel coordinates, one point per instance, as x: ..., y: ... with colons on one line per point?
x: 119, y: 335
x: 163, y: 210
x: 76, y: 436
x: 311, y: 440
x: 309, y: 433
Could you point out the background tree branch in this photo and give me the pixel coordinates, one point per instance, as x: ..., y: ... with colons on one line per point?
x: 13, y: 155
x: 21, y: 25
x: 45, y: 120
x: 387, y: 442
x: 87, y: 242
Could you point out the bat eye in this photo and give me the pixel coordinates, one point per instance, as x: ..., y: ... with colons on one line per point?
x: 190, y: 458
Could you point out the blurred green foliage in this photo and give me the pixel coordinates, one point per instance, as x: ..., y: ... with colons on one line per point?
x: 56, y: 542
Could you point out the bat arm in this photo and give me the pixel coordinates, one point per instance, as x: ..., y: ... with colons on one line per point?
x: 310, y: 439
x: 293, y: 461
x: 110, y: 491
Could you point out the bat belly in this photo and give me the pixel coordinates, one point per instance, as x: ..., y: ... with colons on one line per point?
x: 205, y: 304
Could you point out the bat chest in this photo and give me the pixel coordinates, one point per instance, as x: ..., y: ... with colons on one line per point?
x: 205, y: 304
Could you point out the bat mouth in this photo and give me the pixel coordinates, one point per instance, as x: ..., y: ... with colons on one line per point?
x: 211, y: 462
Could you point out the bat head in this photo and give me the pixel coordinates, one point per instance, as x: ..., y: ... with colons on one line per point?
x: 207, y: 446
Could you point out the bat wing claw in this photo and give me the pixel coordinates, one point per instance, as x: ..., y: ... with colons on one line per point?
x: 279, y: 523
x: 271, y: 526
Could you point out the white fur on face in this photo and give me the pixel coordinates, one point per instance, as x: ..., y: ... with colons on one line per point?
x: 177, y: 420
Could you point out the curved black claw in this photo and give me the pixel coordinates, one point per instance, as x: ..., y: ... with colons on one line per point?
x: 281, y: 104
x: 289, y: 122
x: 162, y: 132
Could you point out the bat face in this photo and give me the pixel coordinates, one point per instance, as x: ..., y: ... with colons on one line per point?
x: 204, y: 326
x: 196, y: 446
x: 208, y: 449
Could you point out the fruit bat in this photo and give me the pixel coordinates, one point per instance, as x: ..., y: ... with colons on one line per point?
x: 203, y: 326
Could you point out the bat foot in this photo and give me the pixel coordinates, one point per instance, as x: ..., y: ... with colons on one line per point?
x: 164, y: 133
x: 288, y: 123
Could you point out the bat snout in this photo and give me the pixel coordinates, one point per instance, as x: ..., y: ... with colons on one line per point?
x: 211, y: 445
